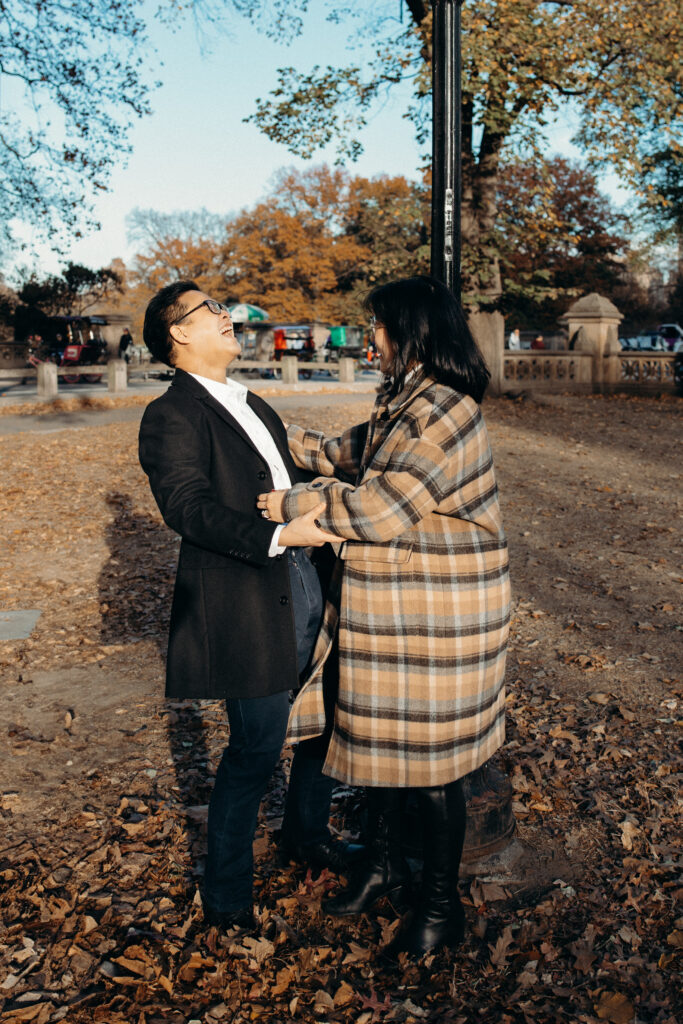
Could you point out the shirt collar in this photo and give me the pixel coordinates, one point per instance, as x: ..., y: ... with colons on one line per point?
x: 224, y: 391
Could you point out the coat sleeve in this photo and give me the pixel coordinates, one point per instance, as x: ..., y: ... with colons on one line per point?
x: 334, y: 456
x: 421, y: 470
x: 175, y: 454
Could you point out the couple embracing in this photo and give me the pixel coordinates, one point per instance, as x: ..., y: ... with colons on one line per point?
x: 397, y: 668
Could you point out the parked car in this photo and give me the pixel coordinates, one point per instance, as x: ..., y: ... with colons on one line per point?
x: 672, y: 336
x: 643, y: 343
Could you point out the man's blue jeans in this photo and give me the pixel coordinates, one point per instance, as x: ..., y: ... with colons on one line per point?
x: 257, y: 732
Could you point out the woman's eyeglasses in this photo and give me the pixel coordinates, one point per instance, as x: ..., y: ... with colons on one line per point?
x: 215, y: 307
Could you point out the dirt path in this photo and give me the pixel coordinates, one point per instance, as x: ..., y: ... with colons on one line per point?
x: 103, y: 785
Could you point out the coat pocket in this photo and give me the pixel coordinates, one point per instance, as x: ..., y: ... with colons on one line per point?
x: 354, y: 551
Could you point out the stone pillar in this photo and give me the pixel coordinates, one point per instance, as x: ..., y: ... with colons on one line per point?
x: 47, y: 381
x: 290, y: 370
x: 489, y: 333
x: 347, y: 370
x: 117, y: 375
x: 593, y: 326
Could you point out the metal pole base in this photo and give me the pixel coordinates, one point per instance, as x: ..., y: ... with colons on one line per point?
x: 490, y: 821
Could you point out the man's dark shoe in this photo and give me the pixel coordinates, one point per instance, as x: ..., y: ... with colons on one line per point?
x: 334, y: 854
x: 230, y: 920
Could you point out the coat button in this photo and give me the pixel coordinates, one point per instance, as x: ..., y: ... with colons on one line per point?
x: 278, y: 558
x: 262, y: 474
x: 284, y: 600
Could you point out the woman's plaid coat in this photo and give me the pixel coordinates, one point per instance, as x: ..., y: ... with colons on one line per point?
x: 420, y: 594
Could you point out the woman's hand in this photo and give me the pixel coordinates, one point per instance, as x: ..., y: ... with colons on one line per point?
x: 304, y: 532
x: 270, y: 505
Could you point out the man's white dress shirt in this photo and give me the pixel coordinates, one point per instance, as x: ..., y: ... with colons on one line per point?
x: 233, y: 397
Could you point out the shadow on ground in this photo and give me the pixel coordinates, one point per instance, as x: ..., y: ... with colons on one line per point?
x: 135, y: 591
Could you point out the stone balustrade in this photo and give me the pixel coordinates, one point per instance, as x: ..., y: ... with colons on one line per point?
x: 631, y: 372
x: 547, y: 371
x: 640, y: 372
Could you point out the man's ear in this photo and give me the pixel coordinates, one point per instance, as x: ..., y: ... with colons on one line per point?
x: 178, y: 334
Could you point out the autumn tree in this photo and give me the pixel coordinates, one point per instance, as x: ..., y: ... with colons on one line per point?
x: 183, y: 245
x: 310, y: 250
x: 74, y: 291
x: 559, y: 237
x: 289, y: 253
x: 662, y: 193
x: 388, y: 217
x: 618, y: 64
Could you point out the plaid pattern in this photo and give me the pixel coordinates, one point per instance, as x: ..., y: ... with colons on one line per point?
x: 420, y: 594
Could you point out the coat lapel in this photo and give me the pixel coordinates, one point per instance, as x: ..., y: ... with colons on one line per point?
x: 385, y: 414
x: 186, y: 381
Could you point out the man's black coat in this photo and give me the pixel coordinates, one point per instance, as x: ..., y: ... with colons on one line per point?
x: 232, y: 628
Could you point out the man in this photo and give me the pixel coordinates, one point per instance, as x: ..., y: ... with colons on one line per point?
x: 247, y: 603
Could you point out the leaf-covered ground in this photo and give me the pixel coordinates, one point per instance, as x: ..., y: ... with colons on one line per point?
x: 104, y: 785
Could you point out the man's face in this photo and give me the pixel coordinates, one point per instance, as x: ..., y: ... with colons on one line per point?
x: 205, y: 336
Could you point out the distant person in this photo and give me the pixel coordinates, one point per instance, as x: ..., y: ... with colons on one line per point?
x: 514, y: 342
x: 125, y: 341
x: 538, y: 343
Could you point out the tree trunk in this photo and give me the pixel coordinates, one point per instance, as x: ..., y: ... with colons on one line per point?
x: 482, y: 277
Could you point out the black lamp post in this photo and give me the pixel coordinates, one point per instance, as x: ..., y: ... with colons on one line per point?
x: 446, y: 143
x: 490, y: 821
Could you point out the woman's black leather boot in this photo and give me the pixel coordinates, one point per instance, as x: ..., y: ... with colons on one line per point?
x: 439, y: 918
x: 384, y: 870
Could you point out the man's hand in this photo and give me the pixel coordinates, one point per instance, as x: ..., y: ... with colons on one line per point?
x: 304, y: 532
x: 270, y: 505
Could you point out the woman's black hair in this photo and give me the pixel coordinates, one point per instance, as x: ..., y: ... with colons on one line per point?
x: 426, y: 325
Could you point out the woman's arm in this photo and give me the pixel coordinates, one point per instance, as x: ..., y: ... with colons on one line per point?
x: 333, y: 456
x: 448, y: 465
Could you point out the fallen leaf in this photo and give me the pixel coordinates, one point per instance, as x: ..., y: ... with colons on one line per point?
x: 323, y: 1001
x: 344, y: 995
x: 614, y: 1007
x: 283, y: 980
x: 499, y: 952
x: 357, y: 954
x: 628, y: 831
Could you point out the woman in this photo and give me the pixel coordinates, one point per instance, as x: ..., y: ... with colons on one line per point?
x: 419, y: 603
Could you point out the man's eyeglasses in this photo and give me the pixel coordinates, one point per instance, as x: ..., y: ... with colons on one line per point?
x: 215, y: 307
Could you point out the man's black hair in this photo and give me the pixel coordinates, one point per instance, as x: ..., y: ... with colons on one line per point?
x: 163, y: 310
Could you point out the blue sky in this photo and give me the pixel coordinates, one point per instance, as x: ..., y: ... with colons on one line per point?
x: 195, y: 151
